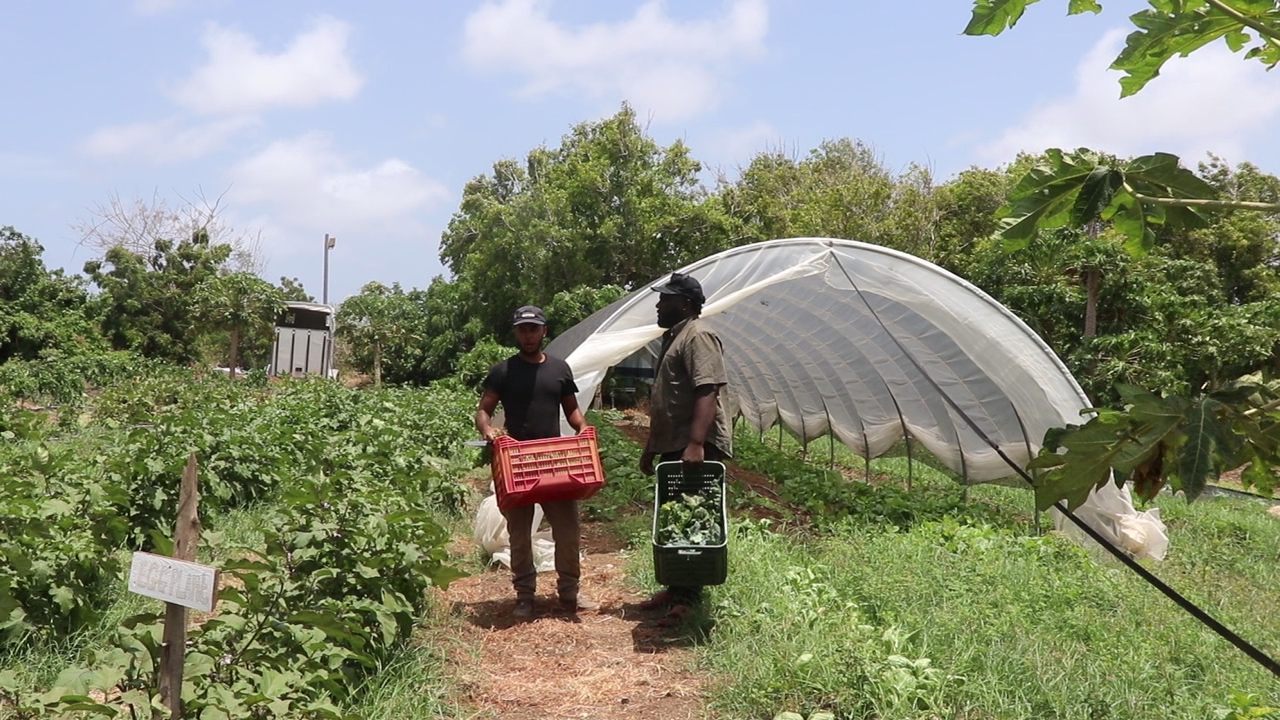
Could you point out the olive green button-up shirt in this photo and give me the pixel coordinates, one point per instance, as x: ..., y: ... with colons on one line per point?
x: 691, y: 357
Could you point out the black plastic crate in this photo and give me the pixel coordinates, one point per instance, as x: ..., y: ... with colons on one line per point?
x: 690, y: 565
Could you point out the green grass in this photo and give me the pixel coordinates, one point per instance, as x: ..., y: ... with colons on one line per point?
x: 918, y: 604
x: 1012, y: 626
x: 418, y: 684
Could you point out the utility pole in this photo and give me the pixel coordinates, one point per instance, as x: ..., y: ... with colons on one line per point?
x: 328, y: 245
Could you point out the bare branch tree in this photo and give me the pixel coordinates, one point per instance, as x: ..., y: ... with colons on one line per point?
x: 136, y: 224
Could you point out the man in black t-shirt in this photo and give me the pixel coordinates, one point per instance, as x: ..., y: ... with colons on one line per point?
x: 533, y: 388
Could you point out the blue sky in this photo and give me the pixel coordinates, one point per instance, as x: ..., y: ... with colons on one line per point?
x: 365, y: 121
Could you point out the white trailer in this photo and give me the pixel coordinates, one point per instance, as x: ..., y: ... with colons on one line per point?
x: 304, y: 341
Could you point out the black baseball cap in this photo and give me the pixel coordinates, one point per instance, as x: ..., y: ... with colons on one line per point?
x: 529, y: 314
x: 681, y: 284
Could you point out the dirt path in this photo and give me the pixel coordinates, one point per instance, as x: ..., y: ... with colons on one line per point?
x: 611, y: 663
x: 616, y: 662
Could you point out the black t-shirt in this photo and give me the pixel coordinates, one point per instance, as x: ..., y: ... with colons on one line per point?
x: 530, y: 395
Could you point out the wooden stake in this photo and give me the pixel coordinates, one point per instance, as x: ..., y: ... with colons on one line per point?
x: 186, y: 536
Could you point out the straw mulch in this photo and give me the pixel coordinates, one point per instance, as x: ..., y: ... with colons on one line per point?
x: 614, y: 662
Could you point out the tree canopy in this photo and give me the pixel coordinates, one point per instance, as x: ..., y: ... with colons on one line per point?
x: 145, y: 300
x: 41, y: 311
x: 1107, y: 258
x: 607, y: 206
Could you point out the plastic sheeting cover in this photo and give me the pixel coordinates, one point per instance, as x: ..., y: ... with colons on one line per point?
x: 863, y: 342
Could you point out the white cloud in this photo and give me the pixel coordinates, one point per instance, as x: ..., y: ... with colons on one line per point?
x: 1211, y: 101
x: 673, y: 69
x: 166, y: 141
x: 305, y: 187
x: 238, y: 77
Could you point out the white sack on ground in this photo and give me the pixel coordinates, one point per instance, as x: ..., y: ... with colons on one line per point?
x: 491, y: 535
x: 870, y: 345
x: 1110, y: 510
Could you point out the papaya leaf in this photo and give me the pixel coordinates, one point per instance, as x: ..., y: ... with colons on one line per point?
x: 1076, y: 7
x: 1086, y: 464
x: 1198, y: 457
x: 1074, y: 489
x: 1047, y: 460
x: 1148, y: 476
x: 1139, y: 399
x: 1164, y: 170
x: 1237, y: 39
x: 1096, y: 192
x: 1046, y: 196
x: 1268, y: 53
x: 1160, y: 36
x: 992, y: 17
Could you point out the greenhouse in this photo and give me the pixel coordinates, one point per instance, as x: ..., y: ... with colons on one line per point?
x: 868, y: 345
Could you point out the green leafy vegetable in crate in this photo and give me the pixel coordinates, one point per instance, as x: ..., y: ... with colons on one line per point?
x: 691, y: 520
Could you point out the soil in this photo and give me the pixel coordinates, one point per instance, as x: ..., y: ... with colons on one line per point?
x: 615, y: 662
x: 1231, y: 479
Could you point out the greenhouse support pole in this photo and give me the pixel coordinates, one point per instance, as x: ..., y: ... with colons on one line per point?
x: 910, y: 464
x: 866, y: 447
x: 831, y: 437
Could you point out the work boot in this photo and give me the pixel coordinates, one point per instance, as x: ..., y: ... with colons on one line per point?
x: 523, y: 608
x: 660, y: 599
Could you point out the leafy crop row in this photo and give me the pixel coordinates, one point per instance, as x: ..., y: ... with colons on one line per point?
x: 351, y: 545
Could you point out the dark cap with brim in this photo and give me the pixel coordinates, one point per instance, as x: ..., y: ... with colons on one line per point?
x: 529, y: 314
x: 683, y: 285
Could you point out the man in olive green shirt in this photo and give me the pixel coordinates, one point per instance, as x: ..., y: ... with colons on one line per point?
x: 687, y: 418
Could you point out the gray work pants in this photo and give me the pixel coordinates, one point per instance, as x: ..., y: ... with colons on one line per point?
x: 563, y: 518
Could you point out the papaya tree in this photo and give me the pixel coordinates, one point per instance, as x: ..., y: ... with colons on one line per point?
x: 241, y: 304
x: 373, y: 320
x: 1154, y: 189
x: 1183, y: 441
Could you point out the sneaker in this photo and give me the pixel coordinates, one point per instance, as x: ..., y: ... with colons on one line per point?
x: 581, y: 603
x: 523, y: 609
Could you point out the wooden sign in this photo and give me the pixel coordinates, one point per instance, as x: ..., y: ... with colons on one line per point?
x: 174, y: 581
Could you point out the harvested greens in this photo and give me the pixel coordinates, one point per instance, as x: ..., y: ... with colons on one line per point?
x: 692, y: 519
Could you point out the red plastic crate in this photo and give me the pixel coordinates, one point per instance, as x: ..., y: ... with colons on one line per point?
x: 534, y: 471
